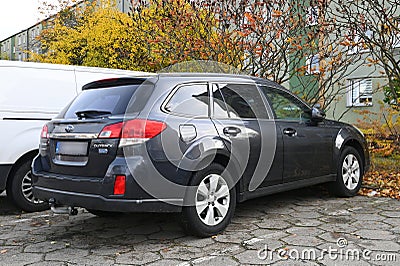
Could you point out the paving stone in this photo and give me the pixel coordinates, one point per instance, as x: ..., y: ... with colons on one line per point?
x: 256, y: 257
x: 306, y: 214
x: 274, y: 224
x: 302, y: 240
x: 305, y: 222
x: 237, y: 227
x: 375, y: 234
x: 180, y: 252
x: 48, y: 263
x: 380, y: 245
x: 391, y: 214
x: 217, y: 261
x: 67, y: 254
x: 166, y: 262
x: 343, y: 262
x: 367, y: 217
x: 162, y: 235
x: 44, y: 247
x: 137, y: 257
x: 232, y: 238
x: 289, y: 262
x: 305, y: 231
x: 20, y: 258
x: 371, y: 225
x: 195, y: 242
x: 339, y: 227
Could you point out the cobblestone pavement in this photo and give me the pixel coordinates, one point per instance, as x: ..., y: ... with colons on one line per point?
x: 297, y: 226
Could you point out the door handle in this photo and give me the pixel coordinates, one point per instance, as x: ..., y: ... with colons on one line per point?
x: 231, y: 131
x: 290, y: 132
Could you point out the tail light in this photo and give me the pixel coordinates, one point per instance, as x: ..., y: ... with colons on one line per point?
x: 133, y: 131
x: 44, y: 140
x: 120, y: 185
x: 45, y: 132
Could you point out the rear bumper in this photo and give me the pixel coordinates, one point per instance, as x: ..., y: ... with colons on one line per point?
x: 4, y: 172
x: 98, y: 202
x: 98, y: 192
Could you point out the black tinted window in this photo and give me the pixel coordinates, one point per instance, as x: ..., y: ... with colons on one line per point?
x: 243, y: 101
x: 190, y: 100
x: 113, y: 100
x: 285, y: 106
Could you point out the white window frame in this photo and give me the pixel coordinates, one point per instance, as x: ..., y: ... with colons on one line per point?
x: 396, y: 43
x: 359, y: 42
x: 312, y: 64
x: 359, y: 92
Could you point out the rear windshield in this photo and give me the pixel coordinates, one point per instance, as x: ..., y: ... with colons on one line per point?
x: 113, y: 100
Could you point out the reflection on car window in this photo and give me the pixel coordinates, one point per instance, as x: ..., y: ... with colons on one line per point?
x: 243, y: 101
x: 190, y: 100
x: 114, y: 100
x: 220, y: 108
x: 285, y: 106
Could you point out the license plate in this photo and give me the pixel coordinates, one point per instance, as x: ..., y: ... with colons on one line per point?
x: 71, y: 148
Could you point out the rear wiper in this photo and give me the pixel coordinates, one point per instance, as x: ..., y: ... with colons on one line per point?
x: 92, y: 113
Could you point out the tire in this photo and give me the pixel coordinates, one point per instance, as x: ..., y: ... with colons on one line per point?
x: 19, y: 189
x: 201, y: 220
x: 104, y: 213
x: 349, y: 174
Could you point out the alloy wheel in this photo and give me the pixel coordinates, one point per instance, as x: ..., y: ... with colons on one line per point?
x: 212, y: 199
x: 351, y: 171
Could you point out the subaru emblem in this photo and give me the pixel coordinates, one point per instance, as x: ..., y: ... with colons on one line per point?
x: 69, y: 128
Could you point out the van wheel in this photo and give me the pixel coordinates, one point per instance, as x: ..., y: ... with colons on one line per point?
x: 19, y: 189
x: 214, y: 203
x: 349, y: 175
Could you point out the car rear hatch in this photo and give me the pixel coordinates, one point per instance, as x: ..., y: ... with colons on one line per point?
x: 78, y: 141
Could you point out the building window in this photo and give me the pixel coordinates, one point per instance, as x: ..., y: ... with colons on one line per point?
x: 312, y: 64
x: 358, y: 41
x: 396, y: 42
x: 359, y: 93
x: 312, y: 16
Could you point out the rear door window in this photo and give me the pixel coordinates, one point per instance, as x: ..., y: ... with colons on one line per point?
x: 189, y: 100
x: 242, y: 101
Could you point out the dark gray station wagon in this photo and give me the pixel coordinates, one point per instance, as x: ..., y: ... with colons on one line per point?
x: 197, y: 144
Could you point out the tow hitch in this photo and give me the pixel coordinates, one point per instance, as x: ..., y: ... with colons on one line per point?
x: 62, y: 209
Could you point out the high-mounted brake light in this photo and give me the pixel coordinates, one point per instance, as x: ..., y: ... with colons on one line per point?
x: 45, y: 132
x: 133, y: 131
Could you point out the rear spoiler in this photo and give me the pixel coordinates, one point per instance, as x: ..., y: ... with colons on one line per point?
x: 113, y: 82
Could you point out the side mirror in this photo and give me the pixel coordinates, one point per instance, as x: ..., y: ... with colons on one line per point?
x: 316, y: 114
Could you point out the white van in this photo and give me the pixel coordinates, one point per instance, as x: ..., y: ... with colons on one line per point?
x: 30, y: 95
